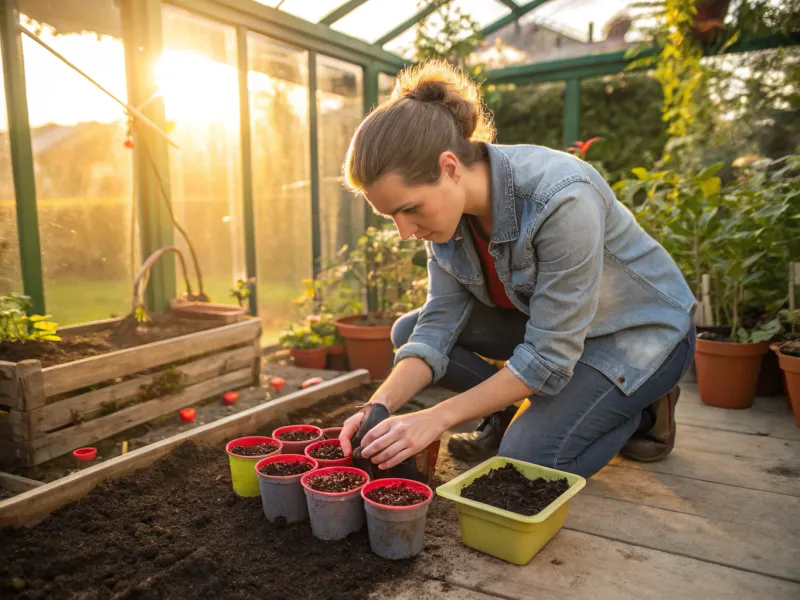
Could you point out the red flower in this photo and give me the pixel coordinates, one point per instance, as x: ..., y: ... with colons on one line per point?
x: 128, y: 143
x: 581, y: 148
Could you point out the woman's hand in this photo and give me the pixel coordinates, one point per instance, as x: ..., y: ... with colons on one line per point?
x: 349, y: 429
x: 392, y: 441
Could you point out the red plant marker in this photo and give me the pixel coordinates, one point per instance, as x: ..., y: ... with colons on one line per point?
x: 277, y: 383
x: 187, y: 415
x: 313, y: 381
x: 128, y: 143
x: 85, y: 454
x: 230, y: 398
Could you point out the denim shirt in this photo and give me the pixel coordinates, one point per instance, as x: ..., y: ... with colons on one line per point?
x: 597, y: 289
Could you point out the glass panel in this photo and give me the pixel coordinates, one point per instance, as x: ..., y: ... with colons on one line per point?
x: 340, y: 107
x: 375, y: 18
x: 83, y: 171
x: 278, y: 85
x: 198, y: 77
x: 531, y: 114
x: 310, y: 11
x: 385, y: 86
x: 560, y: 29
x: 10, y: 279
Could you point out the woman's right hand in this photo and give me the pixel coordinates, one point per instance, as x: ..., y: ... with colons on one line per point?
x: 349, y: 429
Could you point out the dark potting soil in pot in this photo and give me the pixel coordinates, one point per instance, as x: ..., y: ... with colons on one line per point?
x: 335, y: 483
x: 257, y: 450
x: 327, y: 452
x: 396, y: 494
x: 509, y: 489
x: 177, y: 530
x: 791, y: 349
x: 374, y: 321
x: 297, y: 436
x: 285, y: 469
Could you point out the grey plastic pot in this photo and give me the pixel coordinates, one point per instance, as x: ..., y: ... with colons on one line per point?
x: 396, y: 532
x: 283, y: 496
x: 335, y: 516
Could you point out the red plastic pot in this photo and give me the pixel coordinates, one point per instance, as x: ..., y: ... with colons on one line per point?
x: 85, y: 454
x: 297, y: 447
x: 331, y: 433
x: 347, y: 461
x: 230, y: 398
x: 396, y: 532
x: 309, y: 359
x: 368, y: 348
x: 187, y: 415
x: 334, y: 516
x: 283, y: 496
x: 727, y: 373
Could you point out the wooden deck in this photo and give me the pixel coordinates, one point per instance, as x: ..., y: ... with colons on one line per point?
x: 720, y: 518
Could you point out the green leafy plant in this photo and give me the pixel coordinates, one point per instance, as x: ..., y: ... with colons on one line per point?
x: 17, y: 325
x: 243, y: 290
x: 300, y: 337
x: 323, y: 325
x: 448, y: 33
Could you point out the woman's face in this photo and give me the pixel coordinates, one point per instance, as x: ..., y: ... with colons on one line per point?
x: 427, y: 212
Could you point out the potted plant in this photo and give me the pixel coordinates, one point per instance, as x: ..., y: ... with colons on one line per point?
x: 305, y: 346
x: 396, y: 511
x: 325, y: 327
x: 335, y: 507
x: 279, y: 485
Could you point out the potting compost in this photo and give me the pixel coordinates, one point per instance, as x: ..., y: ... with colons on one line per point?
x: 509, y: 489
x: 327, y: 452
x: 297, y: 436
x: 257, y: 450
x: 395, y: 495
x: 284, y: 469
x: 335, y: 483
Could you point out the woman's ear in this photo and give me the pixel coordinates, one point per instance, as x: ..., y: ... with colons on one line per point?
x: 450, y: 166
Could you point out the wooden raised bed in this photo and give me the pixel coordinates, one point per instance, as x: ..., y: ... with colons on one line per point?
x: 35, y: 504
x: 48, y: 407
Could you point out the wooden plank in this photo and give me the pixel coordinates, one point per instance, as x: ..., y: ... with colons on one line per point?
x: 721, y: 503
x: 747, y: 472
x: 63, y: 412
x: 579, y: 565
x: 691, y: 395
x: 61, y: 442
x: 8, y: 385
x: 97, y: 369
x: 90, y: 327
x: 735, y: 445
x: 14, y: 453
x: 16, y: 484
x: 778, y: 423
x: 756, y: 549
x: 34, y: 505
x: 15, y: 425
x: 21, y: 384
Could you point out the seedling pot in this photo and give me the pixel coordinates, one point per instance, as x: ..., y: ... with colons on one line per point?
x: 347, y: 461
x: 506, y: 535
x: 297, y: 447
x: 243, y: 476
x: 331, y: 433
x: 283, y: 496
x: 396, y: 532
x: 334, y: 516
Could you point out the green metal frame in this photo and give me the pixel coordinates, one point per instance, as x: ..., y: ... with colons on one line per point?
x: 313, y: 122
x: 511, y: 4
x: 143, y: 42
x: 19, y: 133
x: 249, y: 220
x: 572, y: 111
x: 341, y: 12
x: 408, y: 24
x: 520, y: 11
x: 292, y: 30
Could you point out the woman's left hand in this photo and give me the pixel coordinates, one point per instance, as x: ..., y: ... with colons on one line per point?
x: 392, y: 441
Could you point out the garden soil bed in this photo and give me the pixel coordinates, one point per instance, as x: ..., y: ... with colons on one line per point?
x: 71, y: 348
x: 177, y: 530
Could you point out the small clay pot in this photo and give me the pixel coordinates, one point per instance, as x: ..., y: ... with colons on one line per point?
x: 334, y: 516
x: 283, y: 496
x: 297, y: 447
x: 337, y: 358
x: 331, y: 433
x: 727, y: 373
x: 347, y: 461
x: 309, y: 359
x: 791, y: 373
x: 396, y: 532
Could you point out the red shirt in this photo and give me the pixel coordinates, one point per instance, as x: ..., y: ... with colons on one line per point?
x: 497, y: 291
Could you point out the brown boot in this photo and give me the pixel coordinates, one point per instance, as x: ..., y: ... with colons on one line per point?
x: 657, y: 442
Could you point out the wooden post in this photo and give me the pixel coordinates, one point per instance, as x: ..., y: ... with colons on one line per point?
x: 708, y: 318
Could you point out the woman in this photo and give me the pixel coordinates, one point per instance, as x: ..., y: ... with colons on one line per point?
x: 531, y: 260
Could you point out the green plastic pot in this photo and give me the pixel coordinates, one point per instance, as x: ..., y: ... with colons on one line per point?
x: 243, y: 471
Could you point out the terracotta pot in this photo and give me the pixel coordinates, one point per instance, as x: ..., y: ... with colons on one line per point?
x: 368, y: 348
x: 727, y: 373
x: 337, y: 358
x: 309, y: 359
x: 790, y: 365
x: 212, y: 311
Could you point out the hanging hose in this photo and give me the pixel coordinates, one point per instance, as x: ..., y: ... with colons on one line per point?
x: 144, y: 273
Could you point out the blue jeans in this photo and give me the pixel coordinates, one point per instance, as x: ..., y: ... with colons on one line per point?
x: 578, y: 430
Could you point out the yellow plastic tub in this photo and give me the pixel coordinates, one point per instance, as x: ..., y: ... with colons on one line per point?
x: 501, y: 533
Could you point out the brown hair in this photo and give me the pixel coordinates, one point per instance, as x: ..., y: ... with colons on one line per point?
x: 433, y: 108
